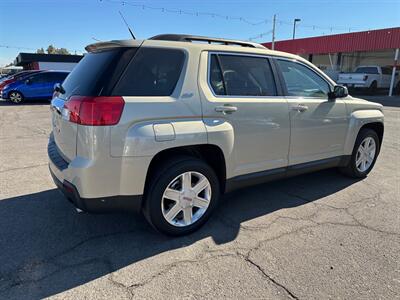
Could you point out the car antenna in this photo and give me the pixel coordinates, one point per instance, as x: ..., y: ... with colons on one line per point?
x: 130, y: 31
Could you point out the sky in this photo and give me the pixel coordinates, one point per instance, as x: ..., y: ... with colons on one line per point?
x: 73, y: 24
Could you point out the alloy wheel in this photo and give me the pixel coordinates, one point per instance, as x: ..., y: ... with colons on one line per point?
x: 15, y: 97
x: 186, y: 199
x: 365, y: 154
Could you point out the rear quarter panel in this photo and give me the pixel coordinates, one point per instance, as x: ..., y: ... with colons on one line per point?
x: 176, y: 120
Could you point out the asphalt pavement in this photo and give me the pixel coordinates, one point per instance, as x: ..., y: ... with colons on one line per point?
x: 316, y: 236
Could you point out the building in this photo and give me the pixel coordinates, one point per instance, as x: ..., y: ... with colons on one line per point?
x: 36, y: 61
x: 344, y: 52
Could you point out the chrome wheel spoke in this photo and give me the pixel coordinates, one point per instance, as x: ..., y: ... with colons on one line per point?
x: 172, y: 213
x: 358, y: 161
x: 200, y: 202
x: 172, y: 194
x: 201, y: 185
x: 186, y: 181
x: 188, y: 215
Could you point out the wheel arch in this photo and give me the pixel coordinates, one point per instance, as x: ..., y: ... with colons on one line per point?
x: 210, y: 153
x: 15, y: 90
x: 378, y: 127
x: 369, y: 118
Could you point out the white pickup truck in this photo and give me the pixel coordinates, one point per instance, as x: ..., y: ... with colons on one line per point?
x: 368, y: 77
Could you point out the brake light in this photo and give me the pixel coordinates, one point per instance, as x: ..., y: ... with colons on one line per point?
x: 94, y: 111
x: 365, y: 77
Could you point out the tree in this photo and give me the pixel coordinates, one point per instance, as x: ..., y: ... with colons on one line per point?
x: 62, y: 51
x: 53, y: 50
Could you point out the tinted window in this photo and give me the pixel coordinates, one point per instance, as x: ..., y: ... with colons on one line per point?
x: 216, y: 79
x: 97, y: 72
x: 241, y: 76
x: 302, y: 81
x: 38, y: 78
x: 367, y: 70
x: 386, y: 70
x: 152, y: 72
x: 58, y: 76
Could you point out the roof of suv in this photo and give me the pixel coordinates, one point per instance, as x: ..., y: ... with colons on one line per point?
x: 191, y: 41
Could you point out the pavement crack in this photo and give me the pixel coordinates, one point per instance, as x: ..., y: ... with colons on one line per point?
x: 23, y: 168
x: 269, y: 277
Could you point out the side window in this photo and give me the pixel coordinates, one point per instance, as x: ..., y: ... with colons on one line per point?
x: 236, y: 75
x: 59, y: 77
x: 37, y: 78
x: 216, y: 80
x: 152, y: 72
x: 301, y: 81
x: 386, y: 71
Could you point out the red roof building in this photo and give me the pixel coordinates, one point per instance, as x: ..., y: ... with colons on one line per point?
x: 372, y: 40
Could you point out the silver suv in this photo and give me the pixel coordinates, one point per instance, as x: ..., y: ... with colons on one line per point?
x: 167, y: 125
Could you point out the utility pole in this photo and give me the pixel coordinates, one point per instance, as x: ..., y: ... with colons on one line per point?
x: 273, y: 33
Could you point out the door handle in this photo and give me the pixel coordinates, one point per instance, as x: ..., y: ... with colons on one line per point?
x: 226, y: 109
x: 300, y: 108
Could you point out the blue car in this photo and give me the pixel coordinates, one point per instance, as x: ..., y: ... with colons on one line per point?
x: 34, y: 86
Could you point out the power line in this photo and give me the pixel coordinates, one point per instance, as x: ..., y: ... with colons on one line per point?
x: 247, y: 20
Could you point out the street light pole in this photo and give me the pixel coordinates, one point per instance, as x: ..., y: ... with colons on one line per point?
x: 294, y: 26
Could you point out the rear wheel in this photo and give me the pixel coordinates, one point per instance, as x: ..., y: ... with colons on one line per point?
x: 181, y: 196
x: 373, y: 87
x: 16, y: 97
x: 365, y: 152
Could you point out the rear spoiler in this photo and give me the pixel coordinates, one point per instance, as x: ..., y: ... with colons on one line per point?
x: 96, y: 47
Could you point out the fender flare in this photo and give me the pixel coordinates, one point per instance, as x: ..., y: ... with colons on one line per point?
x: 357, y: 120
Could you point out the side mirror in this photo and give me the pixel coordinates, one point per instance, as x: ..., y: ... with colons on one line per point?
x: 28, y: 81
x: 339, y: 91
x: 58, y: 88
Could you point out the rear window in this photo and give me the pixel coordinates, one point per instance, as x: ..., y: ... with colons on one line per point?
x: 367, y: 70
x: 152, y: 72
x: 97, y: 73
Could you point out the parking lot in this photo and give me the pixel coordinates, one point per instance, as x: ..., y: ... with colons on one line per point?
x: 316, y: 236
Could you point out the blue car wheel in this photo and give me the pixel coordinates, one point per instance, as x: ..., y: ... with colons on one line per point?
x: 16, y: 97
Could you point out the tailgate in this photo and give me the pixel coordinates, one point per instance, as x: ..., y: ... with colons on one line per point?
x: 351, y: 78
x: 64, y: 131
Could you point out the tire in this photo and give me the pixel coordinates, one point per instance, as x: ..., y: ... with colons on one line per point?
x: 397, y: 89
x: 16, y: 97
x: 157, y: 207
x: 356, y: 170
x: 373, y: 88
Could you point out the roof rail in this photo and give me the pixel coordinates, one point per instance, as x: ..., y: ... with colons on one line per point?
x: 210, y: 40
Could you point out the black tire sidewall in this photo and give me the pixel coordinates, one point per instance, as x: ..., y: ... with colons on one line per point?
x: 152, y: 208
x: 364, y: 133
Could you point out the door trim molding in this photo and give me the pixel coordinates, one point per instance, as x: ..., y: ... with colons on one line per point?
x: 250, y: 179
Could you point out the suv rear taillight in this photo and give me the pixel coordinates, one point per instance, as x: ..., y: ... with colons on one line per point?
x: 94, y: 111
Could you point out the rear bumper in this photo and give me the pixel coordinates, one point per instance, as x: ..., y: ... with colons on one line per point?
x: 356, y: 85
x: 57, y: 165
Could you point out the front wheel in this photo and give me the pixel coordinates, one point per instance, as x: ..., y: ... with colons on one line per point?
x: 181, y: 196
x: 365, y: 153
x: 16, y: 97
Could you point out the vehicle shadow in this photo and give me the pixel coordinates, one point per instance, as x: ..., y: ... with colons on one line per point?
x: 48, y: 248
